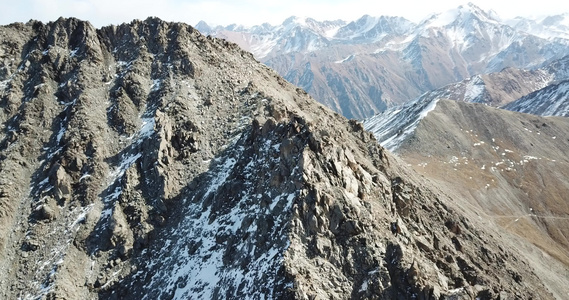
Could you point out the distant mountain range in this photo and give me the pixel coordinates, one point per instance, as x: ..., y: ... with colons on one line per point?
x: 366, y: 66
x: 541, y: 91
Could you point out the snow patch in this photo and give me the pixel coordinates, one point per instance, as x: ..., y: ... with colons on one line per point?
x: 156, y: 83
x: 147, y: 128
x: 4, y: 84
x: 347, y: 59
x: 125, y: 163
x: 73, y: 52
x: 84, y: 176
x: 393, y: 126
x: 474, y: 89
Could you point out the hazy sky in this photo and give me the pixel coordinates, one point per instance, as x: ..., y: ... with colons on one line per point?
x: 250, y: 12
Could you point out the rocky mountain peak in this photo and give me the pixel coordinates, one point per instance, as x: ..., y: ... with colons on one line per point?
x: 459, y: 16
x: 203, y: 27
x: 70, y: 34
x: 562, y: 19
x: 294, y: 20
x: 155, y: 162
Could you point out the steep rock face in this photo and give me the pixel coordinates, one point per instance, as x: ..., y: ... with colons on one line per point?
x: 148, y: 161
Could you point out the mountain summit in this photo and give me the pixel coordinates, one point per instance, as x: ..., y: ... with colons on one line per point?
x: 147, y: 161
x: 462, y: 16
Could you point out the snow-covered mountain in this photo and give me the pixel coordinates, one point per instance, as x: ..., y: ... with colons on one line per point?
x: 552, y: 100
x: 542, y: 92
x: 550, y: 27
x: 362, y: 67
x: 370, y: 29
x: 293, y: 35
x: 478, y: 41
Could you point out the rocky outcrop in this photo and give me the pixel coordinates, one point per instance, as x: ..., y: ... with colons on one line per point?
x: 146, y: 161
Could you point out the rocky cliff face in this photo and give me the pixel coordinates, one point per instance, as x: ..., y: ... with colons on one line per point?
x: 146, y: 161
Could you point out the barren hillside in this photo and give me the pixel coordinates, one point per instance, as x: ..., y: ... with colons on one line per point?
x: 507, y: 169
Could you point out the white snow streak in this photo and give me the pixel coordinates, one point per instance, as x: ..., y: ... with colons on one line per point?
x: 199, y: 267
x: 392, y: 127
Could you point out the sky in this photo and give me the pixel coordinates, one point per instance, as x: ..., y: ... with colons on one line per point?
x: 253, y: 12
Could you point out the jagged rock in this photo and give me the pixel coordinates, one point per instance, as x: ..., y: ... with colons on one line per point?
x: 503, y: 296
x: 121, y: 237
x: 62, y: 183
x: 453, y: 226
x: 179, y: 167
x: 46, y: 212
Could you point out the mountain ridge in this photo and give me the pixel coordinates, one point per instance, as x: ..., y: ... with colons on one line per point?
x: 506, y: 166
x: 549, y: 101
x: 148, y: 160
x: 539, y: 92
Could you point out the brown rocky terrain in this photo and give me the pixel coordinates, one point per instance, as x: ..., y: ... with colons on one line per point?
x: 147, y: 161
x: 510, y: 84
x: 508, y: 169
